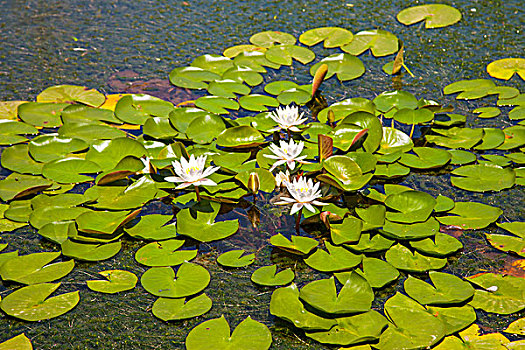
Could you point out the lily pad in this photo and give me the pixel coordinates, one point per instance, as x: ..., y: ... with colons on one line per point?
x: 346, y: 232
x: 283, y: 54
x: 471, y: 215
x: 16, y: 158
x: 240, y: 136
x: 227, y: 88
x: 192, y: 77
x: 336, y: 259
x: 70, y: 170
x: 17, y: 186
x: 492, y: 138
x: 412, y: 206
x: 45, y: 115
x: 369, y: 243
x: 456, y: 137
x: 346, y: 107
x: 90, y: 252
x: 330, y: 36
x: 448, y: 289
x: 117, y: 281
x: 377, y: 272
x: 345, y: 66
x: 234, y: 258
x: 460, y: 157
x: 269, y: 38
x: 487, y: 112
x: 380, y: 42
x: 426, y: 158
x: 268, y: 276
x: 506, y: 67
x: 70, y: 94
x: 434, y: 15
x: 162, y: 282
x: 34, y: 268
x: 243, y: 74
x: 175, y: 309
x: 20, y: 342
x: 258, y: 102
x: 295, y: 245
x: 502, y: 294
x: 214, y: 63
x: 454, y: 318
x: 205, y: 129
x: 389, y: 102
x: 215, y: 334
x: 394, y: 140
x: 103, y: 222
x: 153, y: 227
x: 137, y: 108
x: 403, y: 259
x: 11, y: 131
x: 417, y: 230
x: 108, y: 153
x: 442, y: 245
x: 471, y: 89
x: 514, y: 137
x: 517, y: 228
x: 45, y: 148
x: 31, y: 304
x: 202, y: 226
x: 507, y: 243
x: 516, y: 327
x: 164, y: 253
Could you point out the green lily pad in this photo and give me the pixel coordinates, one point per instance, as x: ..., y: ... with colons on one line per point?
x: 117, y: 281
x: 472, y: 338
x: 442, y: 245
x: 235, y: 50
x: 426, y: 158
x: 70, y: 170
x: 103, y: 222
x: 404, y: 332
x: 227, y: 88
x: 346, y: 172
x: 516, y: 327
x: 517, y: 228
x: 203, y: 227
x: 356, y: 295
x: 507, y: 243
x: 45, y: 148
x: 471, y: 89
x: 460, y: 157
x: 412, y: 206
x: 89, y: 132
x: 123, y: 197
x: 243, y: 74
x: 192, y: 77
x: 137, y: 108
x: 216, y: 104
x: 413, y: 116
x: 34, y: 268
x: 449, y: 119
x: 153, y: 227
x: 336, y: 259
x: 377, y: 272
x: 265, y: 178
x: 31, y: 304
x: 502, y: 294
x: 258, y: 102
x: 285, y: 304
x: 82, y: 112
x: 330, y: 36
x: 517, y: 113
x: 492, y: 138
x: 514, y: 137
x: 233, y: 258
x: 403, y: 259
x: 17, y: 186
x: 368, y: 121
x: 215, y: 334
x: 16, y: 158
x: 297, y: 96
x: 90, y: 252
x: 295, y: 245
x: 347, y: 232
x: 373, y: 216
x: 346, y: 107
x: 162, y: 282
x: 390, y: 102
x: 108, y: 153
x: 214, y: 63
x: 418, y: 230
x: 159, y: 128
x: 18, y: 210
x: 448, y: 289
x: 205, y: 129
x: 391, y: 170
x: 345, y: 66
x: 256, y: 60
x: 164, y: 253
x: 456, y: 137
x: 45, y: 115
x: 268, y: 276
x: 20, y: 342
x: 454, y: 318
x: 11, y: 131
x: 70, y: 94
x: 506, y: 67
x: 471, y: 215
x: 58, y: 232
x: 394, y: 140
x: 283, y: 54
x: 240, y: 136
x: 434, y: 15
x: 269, y: 38
x: 380, y: 42
x: 483, y: 177
x: 175, y: 309
x: 369, y: 243
x: 487, y: 112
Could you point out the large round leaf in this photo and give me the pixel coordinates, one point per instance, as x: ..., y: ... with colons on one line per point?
x: 90, y: 252
x: 153, y: 227
x: 214, y: 63
x: 411, y: 231
x: 346, y: 107
x: 395, y: 100
x: 45, y: 148
x: 164, y: 253
x: 117, y: 281
x: 16, y: 158
x: 434, y: 15
x: 336, y: 259
x: 216, y: 104
x: 227, y: 88
x: 240, y: 136
x: 483, y: 177
x: 471, y: 215
x: 330, y: 36
x: 377, y: 272
x: 442, y: 245
x: 394, y: 140
x: 202, y: 226
x: 258, y: 102
x: 492, y: 138
x: 205, y: 129
x: 369, y: 121
x: 70, y: 170
x: 412, y: 206
x: 295, y: 245
x: 162, y: 282
x: 345, y: 66
x: 380, y: 42
x: 192, y: 77
x: 506, y: 67
x: 501, y: 294
x: 283, y: 54
x: 136, y: 109
x: 175, y: 309
x: 45, y: 115
x: 426, y: 158
x: 17, y: 186
x: 269, y: 38
x: 234, y: 258
x: 70, y: 94
x: 34, y: 268
x: 109, y: 153
x: 448, y: 289
x: 20, y: 342
x: 268, y: 276
x: 403, y: 259
x: 456, y: 137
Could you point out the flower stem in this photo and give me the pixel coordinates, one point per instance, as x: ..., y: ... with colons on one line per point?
x: 289, y: 135
x: 298, y: 220
x: 198, y: 193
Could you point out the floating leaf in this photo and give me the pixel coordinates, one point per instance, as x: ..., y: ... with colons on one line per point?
x: 403, y: 259
x: 233, y: 51
x: 394, y: 140
x: 377, y: 272
x: 90, y: 252
x: 348, y: 231
x: 108, y: 153
x: 434, y: 15
x: 233, y: 258
x: 448, y: 289
x: 268, y: 276
x: 11, y: 131
x: 205, y: 129
x: 517, y: 228
x: 214, y: 63
x: 17, y: 186
x: 389, y: 102
x: 283, y: 54
x: 164, y: 253
x: 295, y: 245
x: 192, y: 77
x: 471, y: 89
x: 442, y: 245
x: 336, y: 259
x: 227, y: 88
x: 487, y: 112
x: 460, y: 157
x: 411, y: 231
x: 216, y: 104
x: 502, y: 294
x: 483, y: 177
x: 20, y: 342
x: 16, y: 158
x: 346, y: 107
x: 345, y: 66
x: 516, y: 327
x: 117, y: 281
x: 471, y: 215
x: 203, y: 227
x: 45, y: 115
x: 240, y: 136
x: 48, y: 147
x: 426, y: 158
x: 514, y: 137
x: 380, y: 42
x: 70, y: 94
x: 70, y: 170
x: 243, y: 74
x: 258, y: 102
x: 471, y: 338
x: 412, y: 206
x: 492, y: 138
x: 456, y: 137
x: 330, y: 36
x: 506, y: 67
x: 34, y: 268
x: 162, y: 282
x: 507, y: 243
x: 153, y: 227
x: 175, y: 309
x: 454, y: 318
x: 370, y: 243
x: 269, y: 38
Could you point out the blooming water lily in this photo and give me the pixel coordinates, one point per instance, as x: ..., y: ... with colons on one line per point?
x: 287, y: 118
x: 304, y: 193
x: 192, y: 172
x: 288, y: 153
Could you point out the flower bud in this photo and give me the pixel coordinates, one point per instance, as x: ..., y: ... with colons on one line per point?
x: 254, y: 183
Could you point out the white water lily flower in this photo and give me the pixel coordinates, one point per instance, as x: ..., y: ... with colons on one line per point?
x: 288, y: 118
x: 288, y: 153
x: 282, y: 178
x: 304, y: 193
x: 192, y: 172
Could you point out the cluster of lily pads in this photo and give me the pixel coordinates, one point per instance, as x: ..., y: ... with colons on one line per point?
x: 215, y: 153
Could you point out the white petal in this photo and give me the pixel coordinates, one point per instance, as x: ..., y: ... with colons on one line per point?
x: 183, y: 185
x: 173, y: 179
x: 291, y: 164
x: 205, y: 182
x: 295, y: 208
x: 309, y: 207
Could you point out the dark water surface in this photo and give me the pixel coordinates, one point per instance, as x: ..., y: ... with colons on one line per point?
x: 109, y: 44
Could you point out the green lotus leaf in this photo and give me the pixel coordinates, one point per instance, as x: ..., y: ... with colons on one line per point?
x: 506, y: 67
x: 213, y: 63
x: 164, y: 253
x: 425, y: 158
x: 297, y: 96
x: 516, y: 327
x: 502, y: 294
x: 487, y: 112
x: 354, y: 329
x: 483, y: 177
x: 449, y: 119
x: 448, y: 289
x: 108, y: 153
x: 330, y: 36
x: 472, y: 338
x: 471, y: 89
x: 45, y: 115
x: 434, y: 15
x: 10, y: 131
x: 192, y: 77
x: 355, y: 296
x: 116, y: 281
x: 390, y: 102
x: 90, y: 252
x: 16, y: 158
x: 394, y: 140
x: 18, y: 210
x: 373, y: 216
x: 283, y: 54
x: 514, y: 137
x: 257, y: 102
x: 413, y: 116
x: 58, y: 232
x: 377, y: 272
x: 153, y: 227
x: 127, y: 166
x: 234, y: 258
x: 391, y: 170
x: 507, y: 243
x: 348, y: 231
x: 471, y: 215
x: 295, y: 245
x: 216, y: 104
x: 517, y: 113
x: 45, y: 148
x: 7, y: 256
x: 243, y: 74
x: 336, y: 259
x: 456, y: 137
x: 20, y: 342
x: 412, y: 327
x: 517, y: 228
x: 368, y: 121
x: 269, y: 38
x: 30, y: 303
x: 202, y: 226
x: 454, y: 318
x: 266, y: 179
x: 16, y: 186
x: 181, y: 117
x: 175, y: 309
x: 413, y: 206
x: 518, y: 158
x: 460, y: 157
x: 136, y: 109
x: 54, y: 213
x: 233, y: 161
x: 205, y: 129
x: 268, y: 276
x: 345, y: 66
x: 70, y: 170
x: 370, y: 243
x: 103, y: 222
x: 227, y: 88
x: 285, y: 304
x: 442, y: 245
x: 159, y: 128
x: 418, y: 230
x: 215, y: 334
x: 256, y: 60
x: 34, y: 268
x: 235, y: 50
x: 492, y: 138
x: 240, y: 136
x: 90, y: 132
x: 343, y: 168
x: 70, y: 94
x: 82, y: 112
x: 162, y: 282
x: 403, y: 259
x: 346, y: 107
x: 380, y: 42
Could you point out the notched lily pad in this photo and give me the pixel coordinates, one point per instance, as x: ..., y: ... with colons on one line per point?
x: 116, y: 281
x: 175, y: 309
x: 434, y: 15
x: 268, y: 276
x: 234, y: 258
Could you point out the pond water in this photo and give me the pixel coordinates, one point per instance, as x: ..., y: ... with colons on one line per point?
x: 131, y: 46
